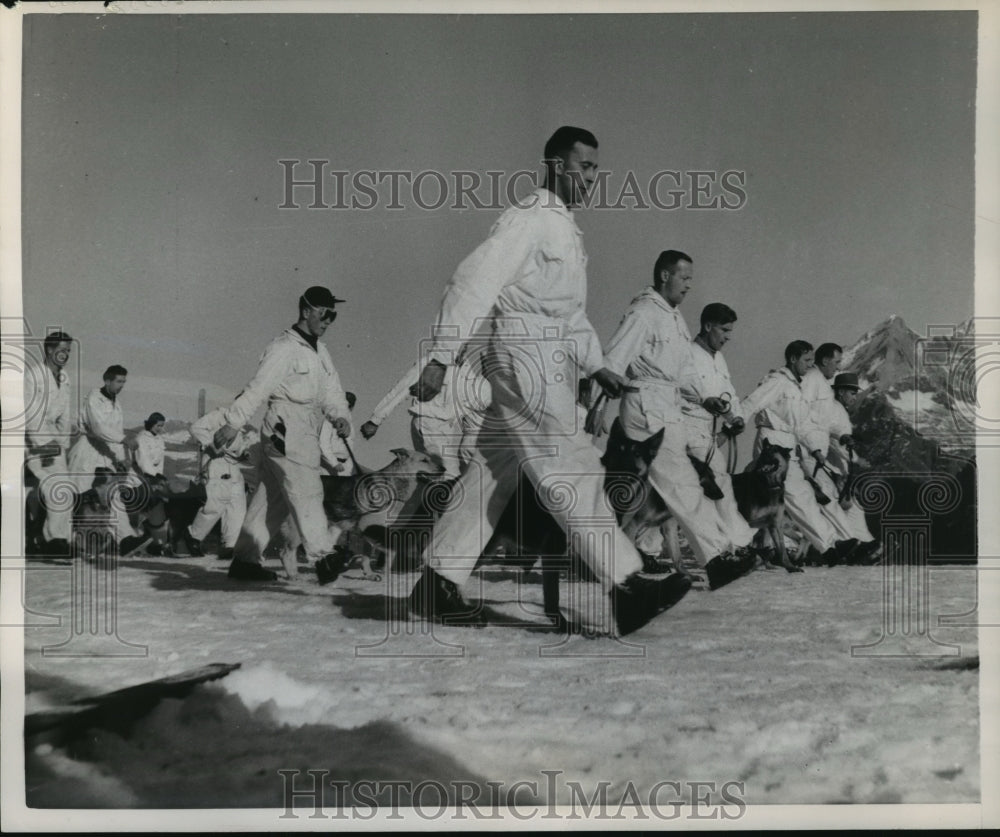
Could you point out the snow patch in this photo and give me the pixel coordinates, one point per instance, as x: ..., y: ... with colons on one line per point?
x: 290, y: 701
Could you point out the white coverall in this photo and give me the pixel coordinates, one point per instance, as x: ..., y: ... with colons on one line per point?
x: 446, y: 425
x: 149, y: 453
x: 226, y: 499
x: 854, y: 523
x: 47, y: 403
x: 828, y: 413
x: 652, y: 347
x: 301, y: 388
x: 711, y: 379
x: 102, y: 420
x: 530, y: 277
x: 783, y: 418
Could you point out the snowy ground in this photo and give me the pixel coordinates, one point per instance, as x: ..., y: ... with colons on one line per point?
x: 755, y: 683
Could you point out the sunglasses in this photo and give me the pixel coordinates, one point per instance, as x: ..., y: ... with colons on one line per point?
x: 327, y: 315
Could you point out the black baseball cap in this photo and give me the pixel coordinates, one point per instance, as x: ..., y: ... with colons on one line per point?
x: 319, y: 297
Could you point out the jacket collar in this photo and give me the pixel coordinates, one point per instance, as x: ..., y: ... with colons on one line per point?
x: 654, y: 296
x: 305, y: 339
x: 550, y: 200
x: 788, y: 373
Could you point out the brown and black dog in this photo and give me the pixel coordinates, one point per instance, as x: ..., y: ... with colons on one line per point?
x: 759, y: 491
x: 364, y: 507
x: 760, y: 497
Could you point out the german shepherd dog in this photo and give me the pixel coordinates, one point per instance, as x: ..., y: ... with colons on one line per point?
x: 362, y: 507
x: 759, y: 492
x: 760, y: 497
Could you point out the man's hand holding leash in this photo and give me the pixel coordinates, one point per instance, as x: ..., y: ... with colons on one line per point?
x: 342, y: 426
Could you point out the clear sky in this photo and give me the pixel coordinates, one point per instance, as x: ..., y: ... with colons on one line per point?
x: 151, y: 182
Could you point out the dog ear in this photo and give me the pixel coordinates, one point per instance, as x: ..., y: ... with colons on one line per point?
x: 402, y: 454
x: 652, y: 444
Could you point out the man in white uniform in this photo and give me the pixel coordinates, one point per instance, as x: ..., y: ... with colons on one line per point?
x: 652, y: 347
x: 47, y: 431
x: 711, y: 378
x: 828, y: 414
x: 845, y: 392
x: 297, y: 380
x: 225, y: 488
x: 784, y: 419
x: 444, y: 427
x: 529, y: 278
x: 102, y: 443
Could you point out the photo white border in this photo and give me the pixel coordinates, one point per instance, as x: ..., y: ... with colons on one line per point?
x: 15, y: 816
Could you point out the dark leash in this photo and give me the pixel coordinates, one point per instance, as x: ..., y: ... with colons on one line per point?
x: 728, y: 399
x: 845, y: 489
x: 732, y: 455
x: 350, y: 453
x: 836, y: 479
x: 594, y: 423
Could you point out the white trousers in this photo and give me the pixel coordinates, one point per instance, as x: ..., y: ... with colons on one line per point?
x: 806, y: 513
x: 672, y: 474
x: 54, y: 485
x: 849, y: 523
x: 226, y: 502
x: 541, y: 436
x: 285, y: 488
x: 737, y: 529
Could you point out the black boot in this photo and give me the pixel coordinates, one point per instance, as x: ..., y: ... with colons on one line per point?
x: 193, y: 545
x: 865, y: 554
x: 330, y: 566
x: 131, y: 543
x: 639, y: 598
x: 57, y: 548
x: 436, y: 598
x: 245, y: 571
x: 724, y: 568
x: 843, y: 549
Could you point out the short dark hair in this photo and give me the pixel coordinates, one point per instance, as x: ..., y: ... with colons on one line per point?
x: 667, y: 260
x: 827, y: 350
x: 718, y: 313
x: 563, y: 140
x: 154, y: 418
x: 55, y: 338
x: 795, y: 350
x: 114, y: 371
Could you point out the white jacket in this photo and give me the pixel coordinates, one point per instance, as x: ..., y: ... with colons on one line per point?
x: 101, y: 419
x: 652, y: 348
x: 222, y: 464
x: 529, y: 280
x: 46, y: 406
x: 840, y: 425
x: 818, y: 394
x: 709, y: 379
x: 782, y: 415
x: 300, y: 386
x: 149, y: 454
